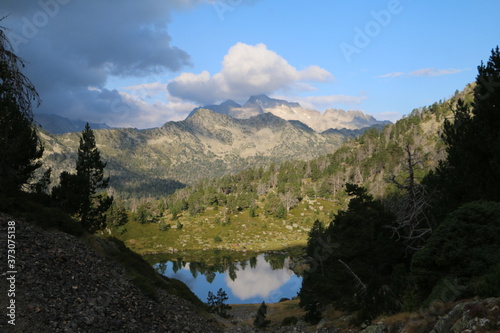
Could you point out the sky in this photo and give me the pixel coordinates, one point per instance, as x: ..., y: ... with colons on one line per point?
x: 132, y: 63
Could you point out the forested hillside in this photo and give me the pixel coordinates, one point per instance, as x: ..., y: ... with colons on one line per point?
x: 155, y: 162
x: 297, y: 192
x: 371, y: 159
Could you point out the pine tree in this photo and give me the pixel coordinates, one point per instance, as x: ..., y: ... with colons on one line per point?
x: 472, y: 167
x: 89, y: 164
x: 77, y: 193
x: 260, y: 317
x: 20, y: 147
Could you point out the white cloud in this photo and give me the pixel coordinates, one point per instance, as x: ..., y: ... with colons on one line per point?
x: 136, y: 112
x: 389, y: 115
x: 435, y: 72
x: 392, y: 74
x: 260, y: 281
x: 329, y: 101
x: 82, y: 44
x: 425, y: 72
x: 315, y: 73
x: 246, y: 70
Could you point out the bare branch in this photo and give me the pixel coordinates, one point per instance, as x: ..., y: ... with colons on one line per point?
x: 359, y: 284
x: 13, y: 83
x: 412, y: 225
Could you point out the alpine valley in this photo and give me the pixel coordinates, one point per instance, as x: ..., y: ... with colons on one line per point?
x: 212, y: 141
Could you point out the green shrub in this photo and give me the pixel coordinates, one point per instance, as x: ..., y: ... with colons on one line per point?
x: 34, y: 209
x: 464, y: 246
x: 280, y: 212
x: 121, y: 229
x: 179, y: 225
x: 488, y: 285
x: 164, y: 226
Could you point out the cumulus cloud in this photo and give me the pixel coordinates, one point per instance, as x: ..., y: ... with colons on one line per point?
x: 73, y: 45
x: 146, y: 106
x: 260, y: 281
x: 246, y: 70
x: 425, y: 72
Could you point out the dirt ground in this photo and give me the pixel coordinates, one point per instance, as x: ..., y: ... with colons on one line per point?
x: 243, y: 315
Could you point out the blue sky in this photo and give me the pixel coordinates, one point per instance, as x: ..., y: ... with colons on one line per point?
x: 141, y: 64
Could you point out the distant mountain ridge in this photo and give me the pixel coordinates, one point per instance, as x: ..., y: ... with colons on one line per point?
x: 320, y: 122
x: 55, y: 124
x: 206, y: 144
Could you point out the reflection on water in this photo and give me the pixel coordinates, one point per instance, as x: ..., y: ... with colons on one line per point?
x: 262, y: 278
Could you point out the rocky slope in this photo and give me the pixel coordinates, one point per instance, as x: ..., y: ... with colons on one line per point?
x: 320, y: 122
x: 62, y: 285
x: 206, y: 144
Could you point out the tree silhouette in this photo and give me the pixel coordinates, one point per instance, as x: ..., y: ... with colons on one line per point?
x: 77, y: 193
x: 217, y: 303
x: 20, y: 147
x: 260, y: 317
x: 473, y: 143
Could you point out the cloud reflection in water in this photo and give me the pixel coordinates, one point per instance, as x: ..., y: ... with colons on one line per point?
x: 258, y: 281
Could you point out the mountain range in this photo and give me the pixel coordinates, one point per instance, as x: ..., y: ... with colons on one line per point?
x: 206, y: 144
x: 329, y: 119
x: 59, y: 125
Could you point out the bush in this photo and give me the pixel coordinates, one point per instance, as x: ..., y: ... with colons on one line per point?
x: 164, y: 226
x: 217, y: 303
x: 280, y: 212
x: 313, y: 313
x: 179, y: 225
x: 464, y: 246
x: 488, y: 285
x: 289, y: 321
x: 35, y: 210
x: 121, y: 229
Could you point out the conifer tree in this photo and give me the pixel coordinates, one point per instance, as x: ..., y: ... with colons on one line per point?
x: 260, y: 317
x: 20, y: 147
x: 78, y: 193
x: 472, y: 168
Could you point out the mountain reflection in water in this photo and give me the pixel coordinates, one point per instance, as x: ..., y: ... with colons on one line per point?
x: 261, y: 278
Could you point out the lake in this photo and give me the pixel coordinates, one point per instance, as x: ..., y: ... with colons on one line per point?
x: 265, y: 277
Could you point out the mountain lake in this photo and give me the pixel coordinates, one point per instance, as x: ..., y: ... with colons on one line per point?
x: 261, y: 277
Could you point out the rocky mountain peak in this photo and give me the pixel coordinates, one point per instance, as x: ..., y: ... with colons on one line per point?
x: 266, y: 102
x: 319, y: 122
